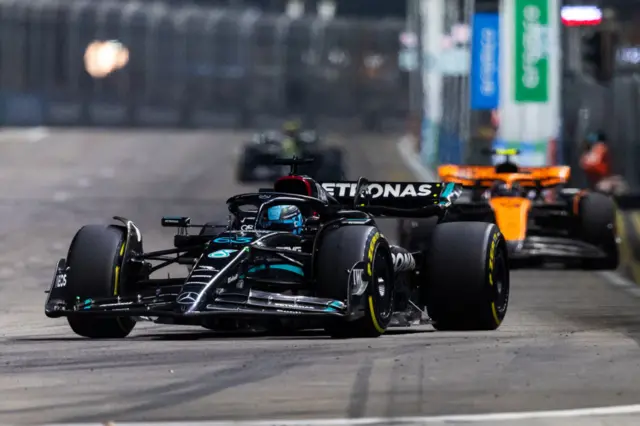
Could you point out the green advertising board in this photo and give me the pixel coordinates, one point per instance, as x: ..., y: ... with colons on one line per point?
x: 531, y: 51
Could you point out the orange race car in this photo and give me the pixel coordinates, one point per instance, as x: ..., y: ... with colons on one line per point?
x: 540, y: 217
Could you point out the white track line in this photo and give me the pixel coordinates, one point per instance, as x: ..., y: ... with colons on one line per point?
x: 617, y: 280
x: 468, y: 418
x: 23, y: 134
x: 411, y: 159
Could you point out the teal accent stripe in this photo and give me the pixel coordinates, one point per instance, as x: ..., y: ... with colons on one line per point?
x: 295, y: 269
x: 447, y: 190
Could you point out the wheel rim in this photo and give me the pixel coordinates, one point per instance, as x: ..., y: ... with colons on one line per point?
x: 500, y: 284
x: 381, y: 283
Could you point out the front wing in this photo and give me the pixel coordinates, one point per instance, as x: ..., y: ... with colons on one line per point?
x: 173, y: 301
x: 553, y: 248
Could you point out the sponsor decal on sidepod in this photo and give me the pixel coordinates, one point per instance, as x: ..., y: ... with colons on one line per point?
x: 403, y: 262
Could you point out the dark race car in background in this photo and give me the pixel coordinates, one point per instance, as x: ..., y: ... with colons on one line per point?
x: 340, y: 273
x: 256, y: 162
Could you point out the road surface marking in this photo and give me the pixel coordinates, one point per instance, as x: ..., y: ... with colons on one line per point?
x: 405, y: 421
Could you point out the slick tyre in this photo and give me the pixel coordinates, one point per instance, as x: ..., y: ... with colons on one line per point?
x: 244, y: 171
x: 596, y: 219
x: 94, y: 261
x: 340, y: 250
x: 331, y: 166
x: 245, y: 166
x: 466, y: 284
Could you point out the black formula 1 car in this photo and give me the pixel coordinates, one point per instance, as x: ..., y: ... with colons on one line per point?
x: 541, y: 219
x: 256, y: 162
x: 340, y: 273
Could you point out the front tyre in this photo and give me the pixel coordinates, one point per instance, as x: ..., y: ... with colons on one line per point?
x: 466, y: 284
x: 341, y: 249
x: 94, y: 261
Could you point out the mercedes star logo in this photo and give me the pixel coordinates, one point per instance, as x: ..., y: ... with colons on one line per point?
x: 187, y: 298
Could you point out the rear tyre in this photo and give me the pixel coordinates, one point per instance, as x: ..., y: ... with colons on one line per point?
x: 466, y: 283
x: 94, y: 262
x: 596, y: 220
x: 341, y: 249
x: 331, y: 166
x: 245, y: 166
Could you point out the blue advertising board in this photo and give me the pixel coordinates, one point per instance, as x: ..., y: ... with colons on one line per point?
x: 485, y: 55
x: 20, y: 109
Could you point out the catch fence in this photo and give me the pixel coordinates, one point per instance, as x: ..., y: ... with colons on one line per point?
x: 190, y: 66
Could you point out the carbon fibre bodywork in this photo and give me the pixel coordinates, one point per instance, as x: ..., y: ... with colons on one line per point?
x: 539, y: 216
x: 251, y: 274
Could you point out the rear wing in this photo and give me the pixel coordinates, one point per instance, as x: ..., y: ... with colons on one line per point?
x: 392, y: 195
x: 485, y: 176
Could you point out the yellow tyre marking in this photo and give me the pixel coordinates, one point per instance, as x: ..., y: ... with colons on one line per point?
x: 372, y: 246
x: 374, y: 320
x: 492, y: 256
x: 116, y: 281
x: 495, y: 314
x: 372, y: 312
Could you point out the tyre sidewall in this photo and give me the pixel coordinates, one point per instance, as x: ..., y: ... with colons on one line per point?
x: 597, y: 219
x: 95, y: 262
x: 343, y: 249
x: 597, y: 226
x: 461, y: 276
x: 497, y: 253
x: 107, y: 242
x: 330, y: 166
x: 380, y: 319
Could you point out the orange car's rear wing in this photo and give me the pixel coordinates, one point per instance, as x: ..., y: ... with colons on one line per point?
x: 485, y: 176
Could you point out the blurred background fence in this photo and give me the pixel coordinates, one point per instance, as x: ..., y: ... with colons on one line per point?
x: 609, y: 103
x: 196, y: 66
x: 613, y: 108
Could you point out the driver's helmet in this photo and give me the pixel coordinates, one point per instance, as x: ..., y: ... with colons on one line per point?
x: 291, y: 128
x: 501, y: 189
x: 283, y: 218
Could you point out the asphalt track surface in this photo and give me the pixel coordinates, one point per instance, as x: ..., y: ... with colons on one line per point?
x: 570, y: 339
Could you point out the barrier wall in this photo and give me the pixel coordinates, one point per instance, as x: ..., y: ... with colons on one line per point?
x: 197, y: 67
